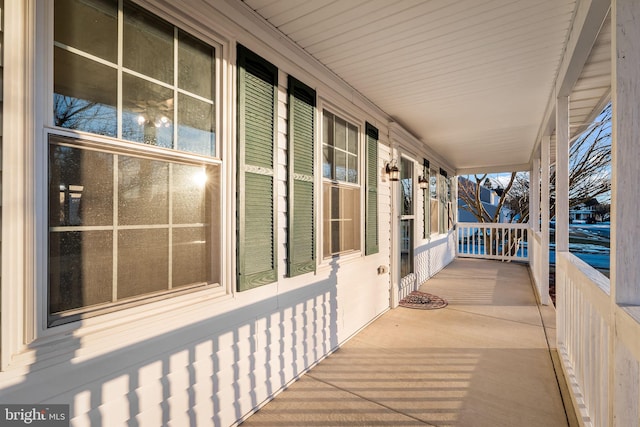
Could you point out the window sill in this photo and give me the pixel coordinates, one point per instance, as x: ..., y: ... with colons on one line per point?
x: 110, y: 332
x: 347, y: 257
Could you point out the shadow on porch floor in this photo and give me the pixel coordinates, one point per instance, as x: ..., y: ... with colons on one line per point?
x: 482, y: 361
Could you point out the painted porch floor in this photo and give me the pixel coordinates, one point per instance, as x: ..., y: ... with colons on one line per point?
x: 482, y: 361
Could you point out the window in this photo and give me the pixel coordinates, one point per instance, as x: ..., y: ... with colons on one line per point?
x: 433, y: 192
x: 443, y: 193
x: 341, y: 189
x: 406, y: 219
x: 127, y: 220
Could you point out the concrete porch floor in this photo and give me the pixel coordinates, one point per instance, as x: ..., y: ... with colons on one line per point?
x: 482, y: 361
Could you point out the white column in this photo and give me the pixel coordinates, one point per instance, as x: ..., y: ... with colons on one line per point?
x: 545, y: 164
x: 534, y: 195
x: 625, y: 196
x: 625, y: 151
x: 562, y: 174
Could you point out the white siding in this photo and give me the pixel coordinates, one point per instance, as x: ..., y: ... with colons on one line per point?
x: 215, y: 360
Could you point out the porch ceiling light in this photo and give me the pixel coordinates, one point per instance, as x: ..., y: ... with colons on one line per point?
x: 393, y: 171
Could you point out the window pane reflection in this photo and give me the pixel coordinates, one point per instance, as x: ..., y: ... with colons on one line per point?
x: 195, y: 65
x: 88, y: 25
x: 143, y: 262
x: 195, y: 126
x: 190, y: 187
x: 191, y: 256
x: 341, y: 213
x: 341, y: 165
x: 143, y: 191
x: 406, y: 247
x: 80, y: 269
x: 147, y: 112
x: 148, y: 44
x: 406, y: 180
x: 352, y: 171
x: 80, y: 187
x: 85, y: 94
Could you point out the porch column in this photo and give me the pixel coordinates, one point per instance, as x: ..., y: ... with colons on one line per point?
x: 562, y: 174
x: 625, y: 194
x: 534, y: 196
x: 545, y: 164
x: 625, y: 153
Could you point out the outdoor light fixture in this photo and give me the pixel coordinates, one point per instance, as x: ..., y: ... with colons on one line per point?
x: 393, y: 171
x: 423, y: 182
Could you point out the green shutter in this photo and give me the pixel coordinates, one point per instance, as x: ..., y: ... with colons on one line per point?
x: 371, y: 208
x: 301, y: 227
x: 257, y: 105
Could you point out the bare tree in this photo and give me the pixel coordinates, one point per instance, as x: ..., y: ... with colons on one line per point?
x: 589, y: 164
x: 75, y: 113
x: 470, y: 193
x: 589, y: 177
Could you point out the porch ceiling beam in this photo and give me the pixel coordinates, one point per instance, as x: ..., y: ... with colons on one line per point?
x: 494, y: 169
x: 587, y: 23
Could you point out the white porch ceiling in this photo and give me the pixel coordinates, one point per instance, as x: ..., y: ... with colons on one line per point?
x: 469, y: 78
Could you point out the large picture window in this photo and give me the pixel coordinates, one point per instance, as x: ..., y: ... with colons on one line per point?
x: 341, y: 188
x: 126, y: 221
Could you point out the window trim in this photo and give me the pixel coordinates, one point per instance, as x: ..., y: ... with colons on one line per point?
x: 31, y: 314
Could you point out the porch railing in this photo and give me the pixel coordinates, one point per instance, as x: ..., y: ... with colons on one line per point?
x: 584, y: 320
x: 539, y: 265
x: 501, y: 241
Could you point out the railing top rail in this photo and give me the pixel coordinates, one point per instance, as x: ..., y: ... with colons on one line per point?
x: 514, y: 225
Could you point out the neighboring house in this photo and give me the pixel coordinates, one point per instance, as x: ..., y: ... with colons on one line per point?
x: 586, y: 212
x: 489, y: 199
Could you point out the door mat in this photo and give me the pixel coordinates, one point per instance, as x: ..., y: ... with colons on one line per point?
x: 423, y: 301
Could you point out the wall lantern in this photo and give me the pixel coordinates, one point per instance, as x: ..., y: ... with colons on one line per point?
x: 423, y: 181
x: 393, y: 171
